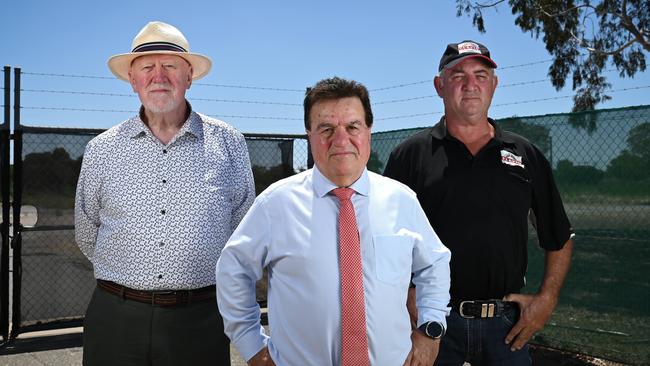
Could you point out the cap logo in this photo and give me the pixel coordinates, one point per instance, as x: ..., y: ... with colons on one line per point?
x: 468, y: 47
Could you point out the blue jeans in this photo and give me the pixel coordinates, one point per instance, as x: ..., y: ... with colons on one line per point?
x: 480, y: 342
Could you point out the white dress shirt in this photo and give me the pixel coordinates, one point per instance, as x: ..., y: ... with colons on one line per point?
x: 152, y: 216
x: 292, y: 229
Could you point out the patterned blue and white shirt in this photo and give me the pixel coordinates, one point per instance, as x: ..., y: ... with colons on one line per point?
x: 152, y: 216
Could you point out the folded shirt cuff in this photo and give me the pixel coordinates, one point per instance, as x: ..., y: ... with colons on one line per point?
x: 251, y: 343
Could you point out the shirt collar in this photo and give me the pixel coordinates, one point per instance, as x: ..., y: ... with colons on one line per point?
x: 439, y: 131
x: 193, y: 125
x: 323, y: 186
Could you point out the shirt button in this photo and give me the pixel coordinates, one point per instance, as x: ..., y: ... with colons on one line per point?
x: 164, y: 151
x: 162, y: 212
x: 164, y: 180
x: 159, y: 276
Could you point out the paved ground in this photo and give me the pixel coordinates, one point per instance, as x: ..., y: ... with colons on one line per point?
x: 69, y: 357
x: 58, y: 348
x: 72, y: 357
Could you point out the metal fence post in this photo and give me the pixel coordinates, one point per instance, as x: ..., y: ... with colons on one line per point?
x: 17, y: 202
x: 4, y: 227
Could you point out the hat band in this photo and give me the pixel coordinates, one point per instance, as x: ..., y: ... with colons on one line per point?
x: 158, y: 46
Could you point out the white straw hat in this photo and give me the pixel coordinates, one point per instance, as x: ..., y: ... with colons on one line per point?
x: 159, y: 38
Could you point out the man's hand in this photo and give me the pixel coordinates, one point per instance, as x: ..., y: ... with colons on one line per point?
x: 412, y: 308
x: 424, y: 350
x: 535, y: 310
x: 262, y: 358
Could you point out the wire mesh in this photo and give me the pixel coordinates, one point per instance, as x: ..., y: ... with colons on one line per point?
x: 57, y: 280
x: 601, y: 161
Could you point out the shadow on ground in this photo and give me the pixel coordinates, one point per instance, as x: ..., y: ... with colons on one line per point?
x: 541, y: 356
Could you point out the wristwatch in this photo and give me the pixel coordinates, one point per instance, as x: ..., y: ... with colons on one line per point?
x: 432, y: 330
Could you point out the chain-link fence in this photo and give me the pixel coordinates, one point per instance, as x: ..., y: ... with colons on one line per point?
x: 57, y: 279
x: 601, y: 162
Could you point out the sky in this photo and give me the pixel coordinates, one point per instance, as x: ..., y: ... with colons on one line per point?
x: 265, y: 53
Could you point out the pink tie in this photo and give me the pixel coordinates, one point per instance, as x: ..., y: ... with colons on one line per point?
x: 354, y: 337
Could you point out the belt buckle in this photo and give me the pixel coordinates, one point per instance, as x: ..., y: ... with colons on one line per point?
x: 460, y: 309
x: 488, y: 309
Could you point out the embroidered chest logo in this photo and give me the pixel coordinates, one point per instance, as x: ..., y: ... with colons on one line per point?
x: 511, y: 159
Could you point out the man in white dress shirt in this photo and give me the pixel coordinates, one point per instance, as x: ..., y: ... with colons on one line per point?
x: 291, y: 229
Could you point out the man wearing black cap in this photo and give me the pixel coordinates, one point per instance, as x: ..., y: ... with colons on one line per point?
x: 477, y: 185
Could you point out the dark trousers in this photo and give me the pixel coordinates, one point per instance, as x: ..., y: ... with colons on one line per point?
x: 480, y: 342
x: 124, y: 332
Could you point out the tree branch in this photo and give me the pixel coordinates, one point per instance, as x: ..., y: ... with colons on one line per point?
x: 478, y: 5
x: 625, y: 21
x: 584, y: 43
x: 602, y: 28
x: 565, y: 12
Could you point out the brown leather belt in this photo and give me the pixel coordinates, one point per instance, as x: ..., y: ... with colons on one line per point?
x: 470, y: 309
x: 159, y: 298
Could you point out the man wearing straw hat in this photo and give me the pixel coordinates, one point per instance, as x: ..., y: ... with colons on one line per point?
x: 158, y: 197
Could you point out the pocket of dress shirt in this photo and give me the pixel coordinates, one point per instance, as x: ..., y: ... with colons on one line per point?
x: 219, y: 188
x: 393, y: 258
x: 218, y: 198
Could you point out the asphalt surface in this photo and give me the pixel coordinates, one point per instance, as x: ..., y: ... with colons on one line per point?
x: 70, y: 357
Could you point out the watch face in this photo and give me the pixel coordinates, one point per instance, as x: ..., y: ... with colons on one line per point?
x: 435, y: 330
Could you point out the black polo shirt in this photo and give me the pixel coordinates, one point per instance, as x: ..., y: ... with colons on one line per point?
x: 479, y: 205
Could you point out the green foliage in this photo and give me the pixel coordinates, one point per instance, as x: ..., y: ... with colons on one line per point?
x: 50, y: 175
x: 374, y: 164
x: 633, y: 164
x: 639, y: 140
x: 583, y: 37
x: 609, y: 190
x: 264, y: 177
x: 568, y: 173
x: 538, y: 135
x: 628, y: 166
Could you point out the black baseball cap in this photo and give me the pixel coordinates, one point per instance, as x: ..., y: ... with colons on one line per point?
x: 457, y: 52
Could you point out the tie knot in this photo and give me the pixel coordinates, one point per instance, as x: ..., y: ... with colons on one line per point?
x: 343, y: 193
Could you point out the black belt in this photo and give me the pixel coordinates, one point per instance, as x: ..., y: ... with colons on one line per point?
x: 160, y: 298
x: 470, y: 309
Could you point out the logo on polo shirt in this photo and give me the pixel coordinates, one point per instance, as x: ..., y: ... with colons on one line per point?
x: 511, y: 159
x: 468, y: 47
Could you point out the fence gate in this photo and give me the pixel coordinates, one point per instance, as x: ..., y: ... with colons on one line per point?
x: 45, y: 281
x: 4, y: 226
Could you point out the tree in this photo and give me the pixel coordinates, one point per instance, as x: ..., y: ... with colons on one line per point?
x: 567, y: 173
x: 374, y: 164
x: 638, y: 139
x: 264, y: 177
x: 51, y: 172
x: 538, y: 135
x: 633, y: 163
x: 582, y: 36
